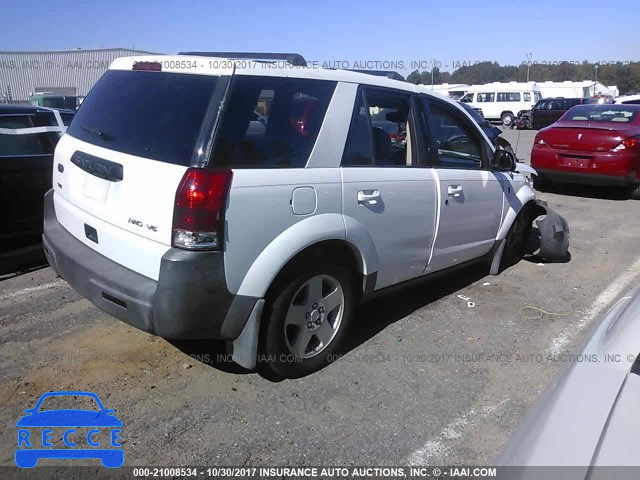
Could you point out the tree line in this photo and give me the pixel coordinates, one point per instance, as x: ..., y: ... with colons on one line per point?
x: 625, y: 75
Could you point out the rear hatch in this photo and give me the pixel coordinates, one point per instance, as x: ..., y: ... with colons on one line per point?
x: 117, y: 169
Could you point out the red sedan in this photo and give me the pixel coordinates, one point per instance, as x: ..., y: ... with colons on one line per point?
x: 591, y: 144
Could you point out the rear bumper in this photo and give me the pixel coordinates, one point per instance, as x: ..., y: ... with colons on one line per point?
x: 601, y: 168
x: 190, y: 299
x: 588, y: 178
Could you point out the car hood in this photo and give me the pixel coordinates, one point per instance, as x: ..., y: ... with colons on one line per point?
x: 69, y: 418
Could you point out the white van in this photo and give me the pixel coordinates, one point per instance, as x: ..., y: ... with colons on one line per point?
x: 503, y: 101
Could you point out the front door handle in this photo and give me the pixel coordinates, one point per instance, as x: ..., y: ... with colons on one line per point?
x: 368, y: 197
x: 454, y: 190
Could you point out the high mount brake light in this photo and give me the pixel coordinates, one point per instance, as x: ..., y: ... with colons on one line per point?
x: 147, y: 66
x: 198, y: 216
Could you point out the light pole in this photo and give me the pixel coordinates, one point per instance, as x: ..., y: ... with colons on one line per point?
x: 595, y: 80
x: 433, y: 63
x: 529, y: 56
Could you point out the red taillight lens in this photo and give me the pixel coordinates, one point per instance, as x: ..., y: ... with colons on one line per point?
x: 539, y: 140
x: 148, y: 66
x: 628, y: 144
x: 199, y: 208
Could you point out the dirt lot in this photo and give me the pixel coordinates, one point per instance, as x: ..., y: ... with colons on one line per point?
x: 425, y: 379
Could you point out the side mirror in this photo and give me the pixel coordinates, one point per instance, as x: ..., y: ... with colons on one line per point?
x: 503, y: 161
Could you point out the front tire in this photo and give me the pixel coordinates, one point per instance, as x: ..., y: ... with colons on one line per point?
x: 506, y: 118
x: 517, y: 238
x: 307, y: 318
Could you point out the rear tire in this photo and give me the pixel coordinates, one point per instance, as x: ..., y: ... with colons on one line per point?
x: 540, y: 183
x: 306, y: 318
x: 633, y: 192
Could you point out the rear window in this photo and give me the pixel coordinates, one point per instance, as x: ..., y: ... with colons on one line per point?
x: 601, y: 113
x: 271, y: 122
x: 148, y: 114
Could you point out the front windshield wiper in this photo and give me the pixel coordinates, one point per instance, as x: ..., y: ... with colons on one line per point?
x: 105, y: 136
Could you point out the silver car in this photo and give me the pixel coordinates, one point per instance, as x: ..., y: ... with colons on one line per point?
x: 589, y: 420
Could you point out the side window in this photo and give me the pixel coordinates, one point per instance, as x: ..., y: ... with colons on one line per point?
x: 458, y: 145
x: 271, y: 122
x: 29, y: 144
x: 358, y: 149
x: 468, y: 98
x: 258, y: 123
x: 527, y: 96
x: 381, y: 130
x: 508, y: 96
x: 486, y: 97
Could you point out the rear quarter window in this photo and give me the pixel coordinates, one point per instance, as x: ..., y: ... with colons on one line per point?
x: 154, y: 115
x: 292, y: 111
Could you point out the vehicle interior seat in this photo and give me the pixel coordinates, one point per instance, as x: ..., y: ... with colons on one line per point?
x: 382, y: 147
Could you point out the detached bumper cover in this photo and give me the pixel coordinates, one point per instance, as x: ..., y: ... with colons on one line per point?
x: 190, y: 299
x: 554, y: 234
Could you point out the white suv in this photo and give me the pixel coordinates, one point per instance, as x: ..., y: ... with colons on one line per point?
x: 170, y: 212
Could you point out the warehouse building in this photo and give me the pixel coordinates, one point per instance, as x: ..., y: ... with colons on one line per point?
x: 69, y: 73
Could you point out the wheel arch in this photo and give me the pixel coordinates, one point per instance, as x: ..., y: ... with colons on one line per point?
x: 315, y: 236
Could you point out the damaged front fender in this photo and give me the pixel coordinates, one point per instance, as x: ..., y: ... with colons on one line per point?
x: 553, y: 234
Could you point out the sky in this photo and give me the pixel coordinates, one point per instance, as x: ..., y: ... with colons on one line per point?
x: 338, y: 33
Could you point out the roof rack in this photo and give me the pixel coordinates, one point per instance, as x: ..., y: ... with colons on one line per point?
x: 292, y: 58
x: 381, y: 73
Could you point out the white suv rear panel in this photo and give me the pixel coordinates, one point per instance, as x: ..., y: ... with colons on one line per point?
x: 132, y: 217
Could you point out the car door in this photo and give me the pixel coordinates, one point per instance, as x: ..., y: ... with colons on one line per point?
x: 27, y: 142
x: 387, y: 193
x: 471, y: 195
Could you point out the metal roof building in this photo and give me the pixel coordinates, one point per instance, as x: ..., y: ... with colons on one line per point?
x: 71, y: 72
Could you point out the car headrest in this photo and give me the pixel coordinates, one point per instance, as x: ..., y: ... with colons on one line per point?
x: 396, y: 116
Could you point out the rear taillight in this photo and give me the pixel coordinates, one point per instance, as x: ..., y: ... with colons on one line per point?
x: 198, y: 214
x: 628, y: 144
x: 539, y: 140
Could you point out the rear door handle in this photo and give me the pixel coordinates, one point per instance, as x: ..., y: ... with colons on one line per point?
x: 454, y: 190
x: 368, y: 197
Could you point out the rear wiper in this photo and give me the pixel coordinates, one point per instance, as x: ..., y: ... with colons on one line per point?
x: 105, y: 136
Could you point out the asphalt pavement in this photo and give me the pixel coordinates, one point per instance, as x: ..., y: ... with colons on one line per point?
x: 425, y: 378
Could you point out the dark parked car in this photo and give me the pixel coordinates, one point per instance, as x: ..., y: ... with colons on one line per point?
x: 492, y: 132
x: 28, y: 136
x: 591, y: 144
x: 549, y: 110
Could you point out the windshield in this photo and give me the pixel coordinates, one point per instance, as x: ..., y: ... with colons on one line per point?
x: 601, y: 113
x: 147, y: 114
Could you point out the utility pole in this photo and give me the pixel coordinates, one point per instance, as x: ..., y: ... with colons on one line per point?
x: 529, y: 56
